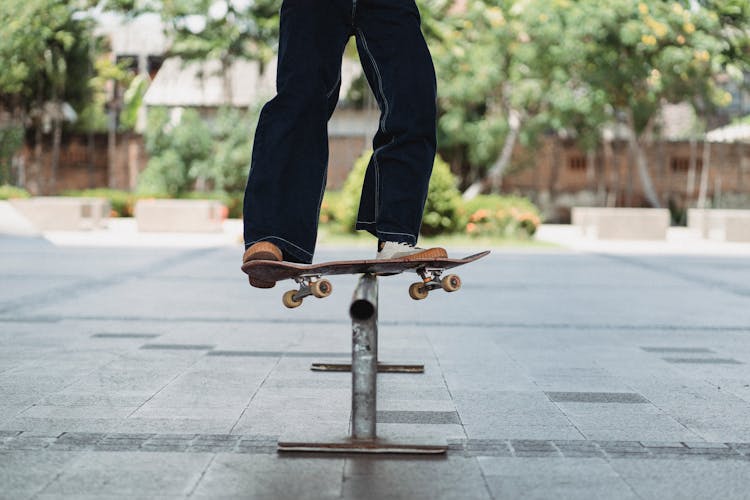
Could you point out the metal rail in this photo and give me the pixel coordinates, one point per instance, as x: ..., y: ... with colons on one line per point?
x: 364, y: 314
x: 364, y: 438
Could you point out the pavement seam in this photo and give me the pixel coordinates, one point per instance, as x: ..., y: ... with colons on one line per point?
x: 202, y: 475
x: 533, y: 381
x: 195, y: 362
x: 255, y: 393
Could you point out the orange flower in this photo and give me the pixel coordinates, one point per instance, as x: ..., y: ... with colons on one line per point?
x: 479, y: 215
x: 471, y: 227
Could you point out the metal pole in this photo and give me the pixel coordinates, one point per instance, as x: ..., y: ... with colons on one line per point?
x: 364, y: 313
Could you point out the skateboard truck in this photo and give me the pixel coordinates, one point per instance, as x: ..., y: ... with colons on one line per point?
x: 308, y: 285
x: 431, y: 280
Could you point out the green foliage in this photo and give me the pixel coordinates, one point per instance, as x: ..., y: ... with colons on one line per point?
x: 44, y: 49
x: 11, y: 140
x: 215, y: 154
x: 332, y: 210
x: 133, y: 99
x: 227, y: 166
x: 166, y: 173
x: 441, y: 209
x: 121, y: 202
x: 223, y: 30
x: 500, y: 216
x: 348, y: 201
x: 11, y: 192
x: 574, y: 67
x: 443, y: 201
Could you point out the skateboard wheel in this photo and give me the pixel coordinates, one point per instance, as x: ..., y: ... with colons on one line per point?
x: 321, y: 288
x: 289, y: 300
x: 451, y: 283
x: 418, y: 291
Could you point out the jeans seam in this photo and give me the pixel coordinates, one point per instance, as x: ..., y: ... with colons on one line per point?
x: 330, y: 92
x: 402, y: 234
x: 322, y: 193
x: 282, y: 239
x: 386, y: 106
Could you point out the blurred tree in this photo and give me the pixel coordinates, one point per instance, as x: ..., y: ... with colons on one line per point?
x: 197, y: 154
x: 222, y: 30
x: 510, y: 70
x: 45, y: 50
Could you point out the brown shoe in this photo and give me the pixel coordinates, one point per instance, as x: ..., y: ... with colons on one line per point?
x: 263, y: 250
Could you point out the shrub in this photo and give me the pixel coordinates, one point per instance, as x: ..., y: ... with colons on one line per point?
x: 331, y: 212
x: 122, y: 202
x: 443, y: 207
x: 165, y: 173
x: 500, y: 216
x: 441, y: 213
x: 8, y: 192
x: 213, y: 154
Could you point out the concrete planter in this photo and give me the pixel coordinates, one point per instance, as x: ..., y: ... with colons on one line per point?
x: 721, y: 225
x: 622, y: 223
x: 181, y: 216
x: 60, y: 213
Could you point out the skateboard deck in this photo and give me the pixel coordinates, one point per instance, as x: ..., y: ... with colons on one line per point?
x: 308, y: 276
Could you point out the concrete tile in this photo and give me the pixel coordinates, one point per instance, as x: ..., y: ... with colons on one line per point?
x: 271, y: 476
x: 676, y: 478
x: 23, y: 473
x: 126, y: 473
x: 413, y: 478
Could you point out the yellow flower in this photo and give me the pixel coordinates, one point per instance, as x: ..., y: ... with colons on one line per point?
x: 495, y: 16
x: 543, y: 18
x: 677, y: 8
x: 643, y: 8
x: 680, y: 39
x: 648, y: 39
x: 702, y: 55
x: 688, y: 28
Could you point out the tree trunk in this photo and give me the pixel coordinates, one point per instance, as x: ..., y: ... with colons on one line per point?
x: 494, y: 175
x: 690, y: 188
x: 56, y: 140
x: 111, y: 145
x: 226, y: 74
x: 611, y: 169
x: 641, y: 164
x: 35, y: 178
x: 703, y: 190
x: 90, y: 151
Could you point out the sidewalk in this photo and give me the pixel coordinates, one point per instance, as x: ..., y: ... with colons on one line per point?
x: 158, y: 373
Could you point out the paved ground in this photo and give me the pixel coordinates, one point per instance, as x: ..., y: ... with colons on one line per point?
x: 158, y: 373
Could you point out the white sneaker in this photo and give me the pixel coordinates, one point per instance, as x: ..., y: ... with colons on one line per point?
x: 404, y: 251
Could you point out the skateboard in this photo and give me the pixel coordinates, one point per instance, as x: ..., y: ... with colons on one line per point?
x: 310, y: 279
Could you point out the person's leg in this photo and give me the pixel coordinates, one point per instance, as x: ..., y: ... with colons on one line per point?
x: 290, y: 153
x: 399, y: 69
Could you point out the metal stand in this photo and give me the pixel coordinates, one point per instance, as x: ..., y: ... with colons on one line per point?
x: 364, y: 368
x: 382, y: 367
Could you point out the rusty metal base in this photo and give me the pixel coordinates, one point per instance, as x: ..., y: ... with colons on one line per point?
x: 382, y: 367
x: 345, y: 444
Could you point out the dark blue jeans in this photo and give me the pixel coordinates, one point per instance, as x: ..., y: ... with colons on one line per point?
x: 290, y: 153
